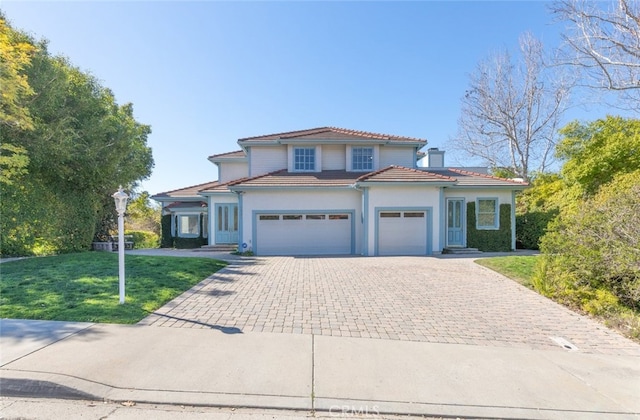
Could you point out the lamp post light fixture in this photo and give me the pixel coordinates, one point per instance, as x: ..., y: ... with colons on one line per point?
x: 120, y: 197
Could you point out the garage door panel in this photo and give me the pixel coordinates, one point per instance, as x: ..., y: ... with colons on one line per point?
x: 402, y: 233
x: 304, y: 234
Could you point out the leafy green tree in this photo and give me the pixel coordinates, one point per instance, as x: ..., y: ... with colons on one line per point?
x: 16, y: 51
x: 596, y: 152
x: 81, y: 147
x: 143, y: 214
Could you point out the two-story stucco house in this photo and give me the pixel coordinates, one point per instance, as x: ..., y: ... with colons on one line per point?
x: 337, y: 191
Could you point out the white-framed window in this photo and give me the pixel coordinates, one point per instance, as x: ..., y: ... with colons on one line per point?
x: 304, y: 159
x: 487, y: 213
x: 362, y: 158
x: 188, y: 225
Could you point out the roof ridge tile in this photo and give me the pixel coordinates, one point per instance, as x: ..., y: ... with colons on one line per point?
x: 339, y: 130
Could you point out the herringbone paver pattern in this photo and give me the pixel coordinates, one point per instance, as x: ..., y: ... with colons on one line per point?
x: 443, y: 300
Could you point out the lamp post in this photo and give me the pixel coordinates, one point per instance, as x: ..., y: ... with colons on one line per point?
x: 120, y: 198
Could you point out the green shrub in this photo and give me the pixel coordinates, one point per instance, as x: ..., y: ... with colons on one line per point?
x: 39, y: 221
x: 594, y: 246
x: 144, y: 239
x: 166, y: 241
x: 531, y: 227
x: 186, y: 243
x: 489, y: 240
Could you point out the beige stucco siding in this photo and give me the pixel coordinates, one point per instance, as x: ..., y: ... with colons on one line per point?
x: 233, y: 170
x: 264, y: 159
x: 394, y: 155
x: 333, y: 157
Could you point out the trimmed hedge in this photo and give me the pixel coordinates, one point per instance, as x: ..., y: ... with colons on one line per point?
x: 531, y: 227
x: 185, y: 243
x: 166, y: 240
x: 489, y: 240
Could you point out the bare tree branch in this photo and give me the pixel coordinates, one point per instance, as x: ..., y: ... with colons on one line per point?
x: 603, y: 41
x: 511, y: 112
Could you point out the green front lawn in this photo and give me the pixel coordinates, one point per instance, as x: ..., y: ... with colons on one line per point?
x: 519, y: 268
x: 84, y: 287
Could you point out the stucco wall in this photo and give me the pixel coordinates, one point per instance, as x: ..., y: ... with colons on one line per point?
x: 233, y: 170
x: 264, y: 159
x: 333, y: 157
x: 394, y: 155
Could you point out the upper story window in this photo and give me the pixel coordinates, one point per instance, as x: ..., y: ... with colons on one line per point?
x: 304, y: 159
x: 362, y: 158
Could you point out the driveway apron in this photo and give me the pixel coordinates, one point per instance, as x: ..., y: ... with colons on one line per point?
x: 425, y: 299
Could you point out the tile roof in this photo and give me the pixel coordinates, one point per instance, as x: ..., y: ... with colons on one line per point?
x: 191, y: 191
x: 474, y: 179
x: 229, y: 155
x: 284, y: 178
x: 401, y: 174
x: 341, y: 178
x: 186, y: 204
x: 331, y: 133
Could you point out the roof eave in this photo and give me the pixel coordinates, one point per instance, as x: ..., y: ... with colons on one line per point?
x: 288, y: 187
x: 499, y: 187
x: 211, y: 193
x: 406, y: 183
x: 175, y: 198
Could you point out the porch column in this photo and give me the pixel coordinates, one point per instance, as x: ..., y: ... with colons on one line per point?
x: 240, y: 224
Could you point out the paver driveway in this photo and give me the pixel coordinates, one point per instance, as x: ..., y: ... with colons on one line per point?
x: 444, y: 300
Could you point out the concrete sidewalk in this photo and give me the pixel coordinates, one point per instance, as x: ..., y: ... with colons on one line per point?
x: 300, y: 371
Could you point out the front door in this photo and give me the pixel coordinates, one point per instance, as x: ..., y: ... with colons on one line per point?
x: 226, y: 223
x: 455, y: 212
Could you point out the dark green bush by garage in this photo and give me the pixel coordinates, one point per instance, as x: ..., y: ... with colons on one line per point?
x: 167, y: 236
x: 489, y: 240
x: 186, y: 243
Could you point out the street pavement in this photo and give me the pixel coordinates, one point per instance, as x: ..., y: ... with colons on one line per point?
x: 207, y: 362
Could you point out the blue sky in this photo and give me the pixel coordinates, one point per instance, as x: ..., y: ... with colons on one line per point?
x: 204, y: 74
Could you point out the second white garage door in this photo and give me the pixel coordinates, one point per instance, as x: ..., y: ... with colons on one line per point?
x: 303, y: 234
x: 402, y: 232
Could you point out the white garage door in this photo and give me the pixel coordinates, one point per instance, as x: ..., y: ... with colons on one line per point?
x: 303, y: 234
x: 402, y: 232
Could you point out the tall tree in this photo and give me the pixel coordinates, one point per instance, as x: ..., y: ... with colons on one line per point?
x: 596, y: 152
x: 16, y: 50
x: 603, y: 40
x: 511, y: 111
x: 82, y: 145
